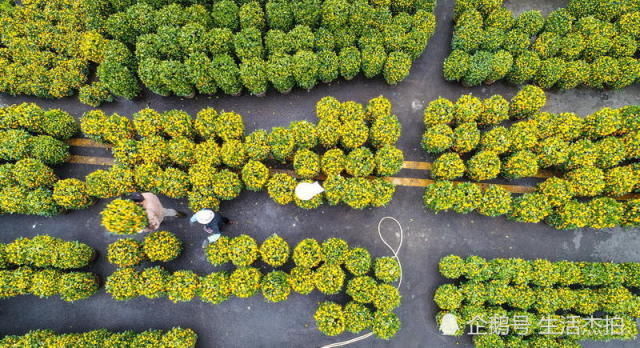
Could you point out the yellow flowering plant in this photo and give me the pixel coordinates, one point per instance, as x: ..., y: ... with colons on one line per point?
x: 245, y: 282
x: 71, y: 194
x: 162, y: 246
x: 122, y: 216
x: 125, y: 252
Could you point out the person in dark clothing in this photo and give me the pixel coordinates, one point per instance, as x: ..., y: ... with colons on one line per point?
x: 213, y: 223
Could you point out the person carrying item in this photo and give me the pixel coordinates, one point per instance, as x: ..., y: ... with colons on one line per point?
x: 155, y: 211
x: 306, y: 191
x: 213, y: 223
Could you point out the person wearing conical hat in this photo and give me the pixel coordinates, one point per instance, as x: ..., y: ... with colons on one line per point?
x: 212, y: 224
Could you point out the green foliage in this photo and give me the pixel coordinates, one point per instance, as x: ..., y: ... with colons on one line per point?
x: 245, y: 282
x: 307, y: 254
x: 243, y: 250
x: 484, y: 165
x: 162, y: 246
x: 387, y: 269
x: 385, y: 324
x: 125, y: 252
x: 448, y: 166
x: 124, y: 217
x: 329, y: 318
x: 275, y: 251
x: 530, y: 207
x: 281, y: 188
x: 275, y: 286
x: 46, y: 251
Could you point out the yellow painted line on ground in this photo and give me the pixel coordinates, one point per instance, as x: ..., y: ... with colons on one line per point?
x: 98, y: 161
x: 416, y: 165
x: 413, y: 182
x: 84, y: 142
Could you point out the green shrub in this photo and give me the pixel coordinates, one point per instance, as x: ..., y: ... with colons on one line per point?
x: 397, y: 67
x: 466, y: 137
x: 275, y: 251
x: 256, y: 145
x: 523, y: 135
x: 329, y: 318
x: 448, y: 166
x: 437, y: 139
x: 218, y: 253
x: 586, y: 181
x: 484, y: 165
x: 227, y: 184
x: 550, y: 72
x: 387, y: 269
x: 329, y: 279
x: 153, y: 282
x: 243, y: 250
x: 572, y: 215
x: 353, y: 134
x: 333, y: 162
x: 357, y: 192
x: 182, y: 286
x: 456, y: 65
x: 32, y: 173
x: 385, y: 325
x: 360, y: 162
x: 610, y: 152
x: 606, y: 212
x: 301, y: 280
x: 520, y: 164
x: 467, y: 109
x: 123, y: 284
x: 124, y: 217
x: 530, y: 207
x: 385, y: 130
x: 245, y: 282
x: 76, y: 286
x: 275, y: 286
x: 527, y: 101
x: 496, y: 140
x: 47, y: 149
x: 162, y: 246
x: 282, y: 143
x: 175, y: 183
x: 387, y: 297
x: 437, y: 196
x: 357, y: 317
x: 451, y: 267
x: 358, y: 261
x: 307, y: 254
x: 465, y: 197
x: 439, y: 111
x: 255, y: 175
x: 362, y: 289
x: 125, y: 252
x: 71, y: 194
x: 306, y: 163
x: 215, y: 288
x: 281, y: 188
x: 557, y: 191
x: 620, y: 180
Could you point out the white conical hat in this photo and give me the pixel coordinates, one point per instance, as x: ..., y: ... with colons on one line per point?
x: 205, y: 216
x: 449, y: 325
x: 306, y: 191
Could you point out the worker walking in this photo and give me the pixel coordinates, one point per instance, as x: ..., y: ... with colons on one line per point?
x: 155, y: 211
x: 213, y: 223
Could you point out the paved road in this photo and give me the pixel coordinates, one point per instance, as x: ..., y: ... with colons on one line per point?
x: 428, y: 237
